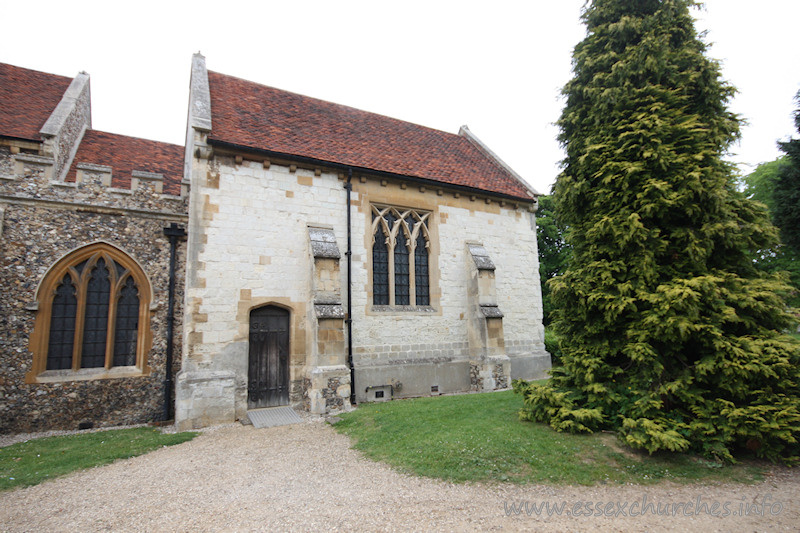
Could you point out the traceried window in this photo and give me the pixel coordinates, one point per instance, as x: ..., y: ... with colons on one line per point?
x: 400, y: 250
x: 93, y: 313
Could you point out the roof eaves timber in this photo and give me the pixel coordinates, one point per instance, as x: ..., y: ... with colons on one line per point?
x: 433, y: 184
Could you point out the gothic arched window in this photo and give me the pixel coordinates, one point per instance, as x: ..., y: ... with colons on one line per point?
x: 400, y: 250
x: 93, y: 313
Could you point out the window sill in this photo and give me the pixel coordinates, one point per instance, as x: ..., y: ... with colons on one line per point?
x: 412, y: 309
x: 86, y: 374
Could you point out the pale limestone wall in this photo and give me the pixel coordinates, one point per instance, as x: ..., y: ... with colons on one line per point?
x: 255, y: 239
x: 511, y: 242
x: 384, y: 340
x: 249, y: 247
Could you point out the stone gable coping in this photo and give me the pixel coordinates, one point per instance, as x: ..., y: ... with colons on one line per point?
x: 60, y: 114
x: 66, y: 125
x: 472, y: 138
x: 29, y: 97
x: 200, y: 95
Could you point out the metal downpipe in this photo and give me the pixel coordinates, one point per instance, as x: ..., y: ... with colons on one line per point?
x: 174, y: 232
x: 349, y: 320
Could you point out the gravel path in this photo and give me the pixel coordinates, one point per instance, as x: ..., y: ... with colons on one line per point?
x: 305, y: 477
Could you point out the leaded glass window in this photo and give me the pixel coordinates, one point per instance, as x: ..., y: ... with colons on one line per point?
x: 401, y: 274
x: 421, y: 271
x: 92, y: 304
x: 127, y: 326
x: 400, y: 263
x: 380, y: 267
x: 95, y: 326
x: 62, y: 326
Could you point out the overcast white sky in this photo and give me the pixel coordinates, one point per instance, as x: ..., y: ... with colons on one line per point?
x: 496, y: 66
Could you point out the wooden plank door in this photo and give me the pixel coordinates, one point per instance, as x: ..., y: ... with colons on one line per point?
x: 268, y: 369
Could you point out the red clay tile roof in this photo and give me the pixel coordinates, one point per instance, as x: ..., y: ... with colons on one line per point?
x: 255, y: 116
x: 27, y: 98
x: 125, y: 154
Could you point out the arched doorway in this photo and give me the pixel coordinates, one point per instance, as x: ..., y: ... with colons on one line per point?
x: 268, y: 368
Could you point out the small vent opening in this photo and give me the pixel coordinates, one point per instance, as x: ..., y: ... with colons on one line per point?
x: 379, y: 394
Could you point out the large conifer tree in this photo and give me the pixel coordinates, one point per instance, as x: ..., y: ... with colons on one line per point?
x: 669, y: 335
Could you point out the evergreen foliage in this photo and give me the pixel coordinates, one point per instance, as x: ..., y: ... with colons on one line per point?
x: 760, y: 185
x: 553, y: 250
x: 669, y: 334
x: 786, y: 195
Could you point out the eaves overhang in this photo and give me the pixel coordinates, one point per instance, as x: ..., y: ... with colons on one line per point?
x: 433, y: 184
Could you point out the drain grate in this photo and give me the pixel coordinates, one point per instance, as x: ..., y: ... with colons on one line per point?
x: 273, y: 416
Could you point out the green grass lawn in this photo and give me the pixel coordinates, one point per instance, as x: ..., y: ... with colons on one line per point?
x: 478, y: 437
x: 29, y: 463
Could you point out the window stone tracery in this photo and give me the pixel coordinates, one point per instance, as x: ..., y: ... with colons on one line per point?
x: 400, y: 256
x: 93, y: 314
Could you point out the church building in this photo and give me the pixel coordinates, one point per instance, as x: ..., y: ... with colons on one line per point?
x: 293, y: 252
